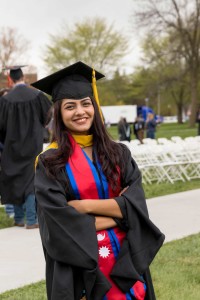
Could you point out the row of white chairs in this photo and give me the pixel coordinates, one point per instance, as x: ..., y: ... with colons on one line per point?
x: 164, y: 141
x: 169, y: 161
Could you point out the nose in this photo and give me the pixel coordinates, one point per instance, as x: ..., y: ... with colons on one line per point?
x: 79, y: 110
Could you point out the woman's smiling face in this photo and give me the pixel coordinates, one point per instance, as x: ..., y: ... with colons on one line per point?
x: 77, y: 115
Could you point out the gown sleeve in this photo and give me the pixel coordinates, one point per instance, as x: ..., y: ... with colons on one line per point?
x: 63, y: 230
x: 3, y: 118
x: 43, y: 106
x: 69, y: 241
x: 143, y: 239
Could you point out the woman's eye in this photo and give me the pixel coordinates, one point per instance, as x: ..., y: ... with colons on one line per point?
x: 87, y: 103
x: 69, y: 107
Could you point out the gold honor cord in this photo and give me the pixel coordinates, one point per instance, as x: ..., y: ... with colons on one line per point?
x: 94, y: 88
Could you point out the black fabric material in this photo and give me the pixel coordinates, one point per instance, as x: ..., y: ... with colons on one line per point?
x: 69, y: 238
x: 150, y: 294
x: 143, y: 237
x: 72, y: 87
x: 72, y: 82
x: 23, y: 114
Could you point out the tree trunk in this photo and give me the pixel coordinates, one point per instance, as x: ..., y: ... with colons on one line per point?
x: 179, y: 113
x: 193, y: 110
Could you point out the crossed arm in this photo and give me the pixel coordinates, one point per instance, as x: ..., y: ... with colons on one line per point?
x: 103, y: 210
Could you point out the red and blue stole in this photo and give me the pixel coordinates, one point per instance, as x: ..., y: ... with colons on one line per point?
x: 89, y: 182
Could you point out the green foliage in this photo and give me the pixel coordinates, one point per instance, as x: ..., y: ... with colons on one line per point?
x: 115, y: 91
x: 180, y: 23
x: 5, y: 221
x: 165, y: 75
x: 92, y: 40
x: 145, y: 85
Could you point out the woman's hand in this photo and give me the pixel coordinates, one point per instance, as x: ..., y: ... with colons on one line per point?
x: 102, y: 223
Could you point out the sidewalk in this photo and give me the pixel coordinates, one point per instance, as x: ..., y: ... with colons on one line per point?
x: 176, y: 215
x: 21, y: 255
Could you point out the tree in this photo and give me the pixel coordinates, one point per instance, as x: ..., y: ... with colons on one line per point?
x: 91, y: 41
x: 13, y: 46
x: 161, y: 57
x: 183, y: 18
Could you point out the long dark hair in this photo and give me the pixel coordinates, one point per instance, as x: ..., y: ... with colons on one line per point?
x: 108, y: 152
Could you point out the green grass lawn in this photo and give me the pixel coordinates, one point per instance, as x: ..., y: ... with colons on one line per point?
x: 163, y: 130
x: 5, y: 221
x: 175, y: 273
x: 176, y: 270
x: 161, y: 189
x: 35, y: 291
x: 173, y: 129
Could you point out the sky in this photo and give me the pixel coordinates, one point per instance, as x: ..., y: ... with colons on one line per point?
x: 35, y: 20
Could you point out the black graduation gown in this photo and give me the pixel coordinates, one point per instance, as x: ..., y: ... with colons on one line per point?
x: 23, y: 113
x: 70, y: 242
x: 122, y: 131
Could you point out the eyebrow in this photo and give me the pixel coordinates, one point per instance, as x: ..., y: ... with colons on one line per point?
x: 75, y: 100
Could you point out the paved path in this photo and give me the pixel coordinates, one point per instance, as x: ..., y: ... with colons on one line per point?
x: 176, y: 215
x: 21, y: 256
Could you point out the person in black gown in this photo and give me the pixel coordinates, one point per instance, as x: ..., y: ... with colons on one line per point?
x: 23, y: 112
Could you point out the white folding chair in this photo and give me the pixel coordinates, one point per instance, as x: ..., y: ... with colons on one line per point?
x: 176, y: 139
x: 135, y: 142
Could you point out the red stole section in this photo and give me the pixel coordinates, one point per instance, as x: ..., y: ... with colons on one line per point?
x: 82, y: 173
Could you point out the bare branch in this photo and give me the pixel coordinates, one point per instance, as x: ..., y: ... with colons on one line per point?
x: 13, y: 46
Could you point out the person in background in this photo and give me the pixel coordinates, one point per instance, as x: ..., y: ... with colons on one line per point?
x: 49, y: 124
x: 124, y: 130
x: 150, y: 126
x: 23, y: 112
x: 128, y: 130
x: 138, y: 128
x: 96, y: 234
x: 9, y: 208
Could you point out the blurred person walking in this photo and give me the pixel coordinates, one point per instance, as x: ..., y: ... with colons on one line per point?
x: 124, y: 130
x: 138, y: 128
x: 23, y: 112
x: 150, y: 126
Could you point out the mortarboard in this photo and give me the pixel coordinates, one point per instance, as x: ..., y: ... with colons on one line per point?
x: 76, y: 81
x: 15, y: 71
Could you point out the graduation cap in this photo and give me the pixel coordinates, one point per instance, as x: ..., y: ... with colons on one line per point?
x: 76, y: 81
x: 15, y: 71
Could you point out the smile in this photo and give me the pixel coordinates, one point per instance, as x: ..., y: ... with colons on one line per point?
x: 80, y: 121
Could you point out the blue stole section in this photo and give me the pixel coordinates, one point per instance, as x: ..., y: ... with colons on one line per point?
x: 72, y: 180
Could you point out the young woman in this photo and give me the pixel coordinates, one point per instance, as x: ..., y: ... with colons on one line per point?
x: 97, y: 237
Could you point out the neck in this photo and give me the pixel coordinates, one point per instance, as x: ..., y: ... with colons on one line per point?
x: 19, y: 82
